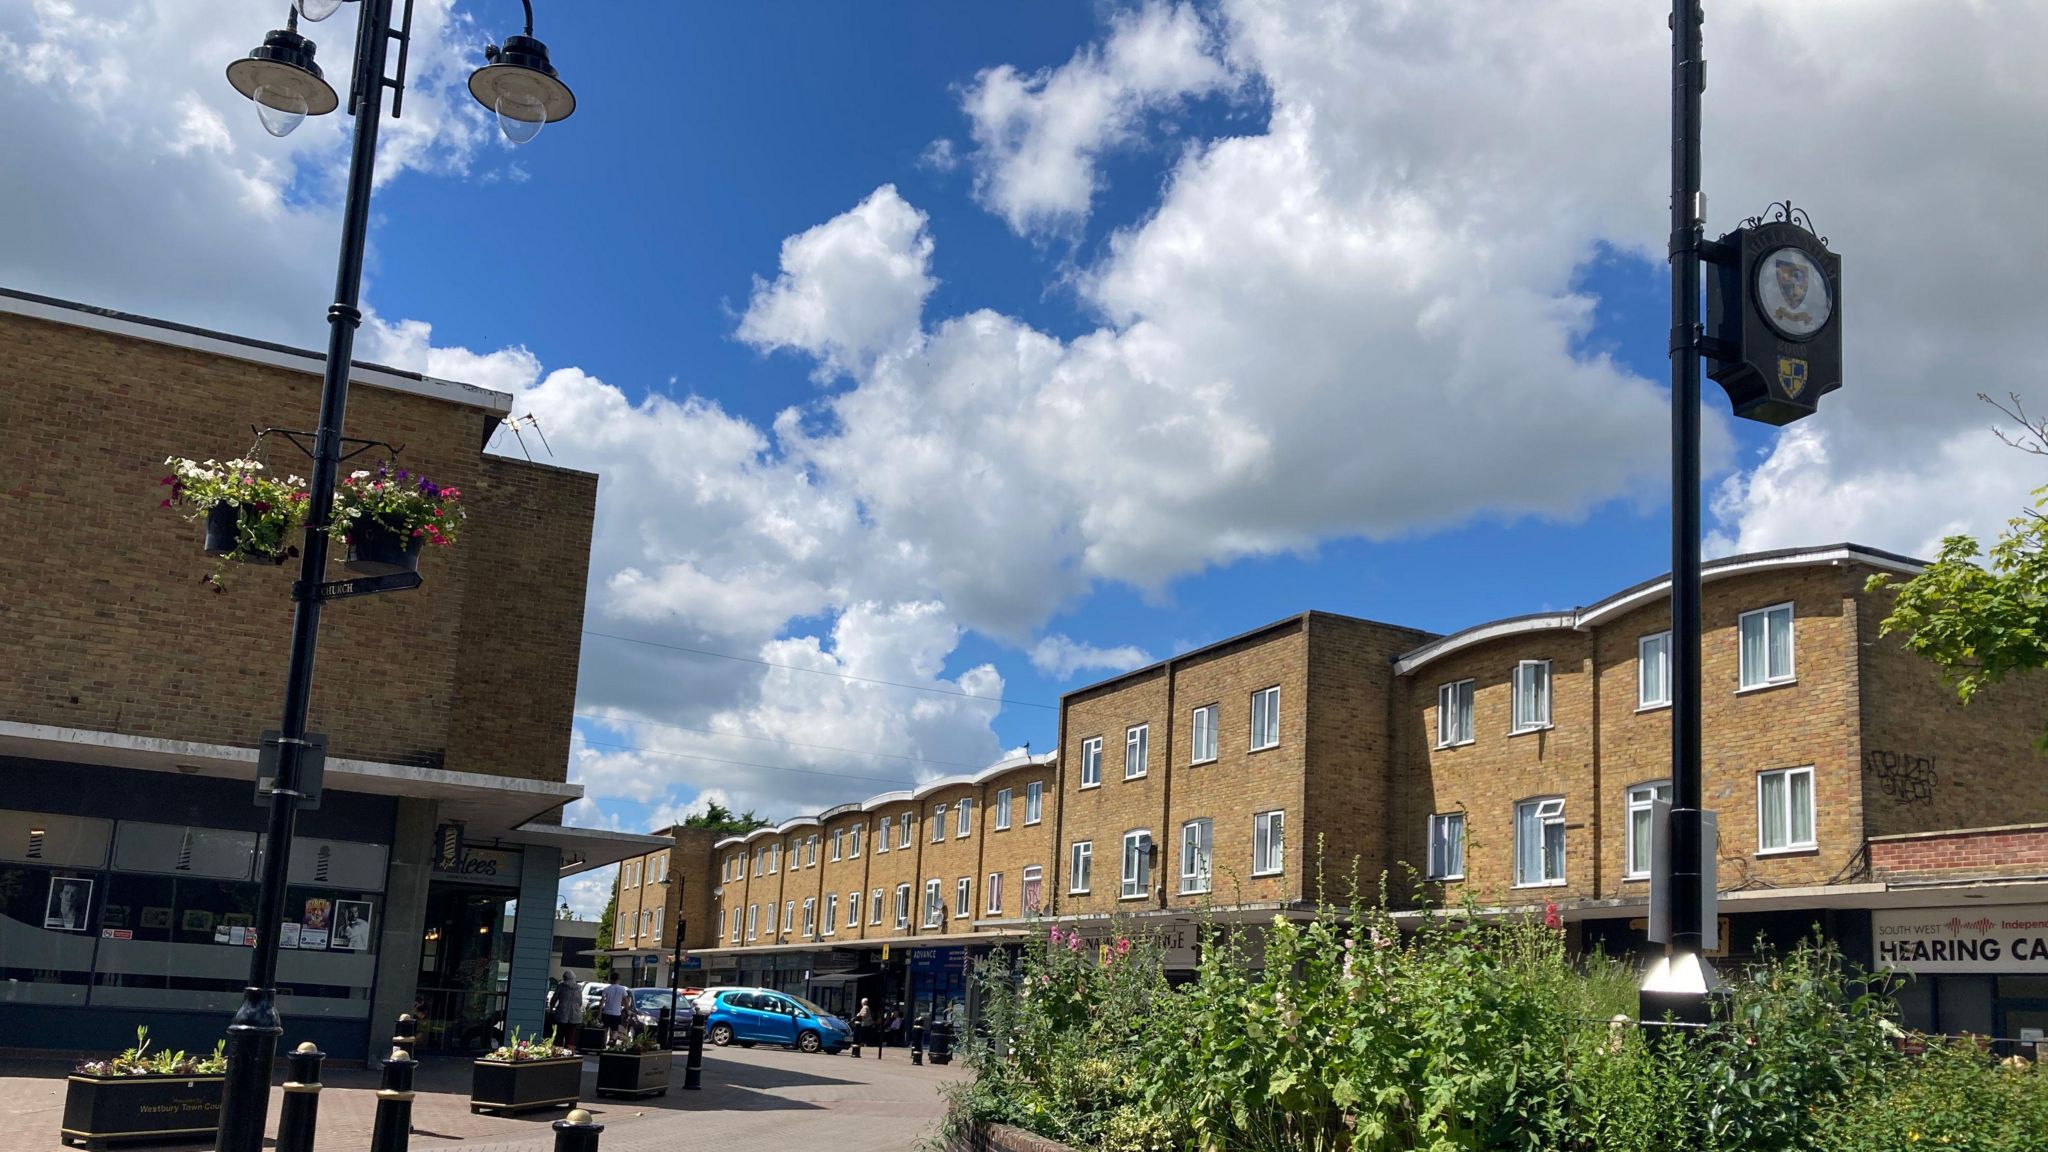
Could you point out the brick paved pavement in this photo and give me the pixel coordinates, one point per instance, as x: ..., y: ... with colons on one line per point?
x: 753, y: 1099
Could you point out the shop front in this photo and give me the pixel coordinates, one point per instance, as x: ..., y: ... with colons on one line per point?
x: 1971, y: 968
x: 466, y: 954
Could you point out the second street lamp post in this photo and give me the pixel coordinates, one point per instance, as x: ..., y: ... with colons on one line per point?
x: 282, y: 78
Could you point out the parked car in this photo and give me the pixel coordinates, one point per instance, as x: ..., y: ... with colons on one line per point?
x: 750, y: 1016
x: 650, y: 1003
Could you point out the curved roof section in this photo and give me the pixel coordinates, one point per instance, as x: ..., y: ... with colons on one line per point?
x: 1650, y: 591
x: 900, y: 796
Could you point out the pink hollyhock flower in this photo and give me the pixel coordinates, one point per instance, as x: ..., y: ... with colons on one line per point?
x: 1551, y: 919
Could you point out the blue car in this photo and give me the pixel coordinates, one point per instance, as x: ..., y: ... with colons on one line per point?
x: 750, y: 1016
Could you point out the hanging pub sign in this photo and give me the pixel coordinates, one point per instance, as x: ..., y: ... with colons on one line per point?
x: 1774, y: 316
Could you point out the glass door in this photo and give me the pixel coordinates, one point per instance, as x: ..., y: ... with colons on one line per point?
x: 460, y: 1006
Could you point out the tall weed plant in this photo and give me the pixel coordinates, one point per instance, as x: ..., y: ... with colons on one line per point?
x: 1454, y: 1035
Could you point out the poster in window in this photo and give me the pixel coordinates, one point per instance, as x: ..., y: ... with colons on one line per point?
x: 159, y: 918
x: 351, y: 926
x: 197, y: 920
x: 314, y: 938
x: 288, y: 935
x: 70, y: 898
x: 114, y: 916
x: 316, y: 915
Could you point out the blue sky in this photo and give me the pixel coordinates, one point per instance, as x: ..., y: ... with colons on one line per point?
x: 991, y: 348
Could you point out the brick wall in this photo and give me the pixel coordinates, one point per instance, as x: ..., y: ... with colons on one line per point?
x: 1009, y: 851
x: 2012, y: 850
x: 1102, y: 814
x: 119, y: 634
x: 1348, y: 804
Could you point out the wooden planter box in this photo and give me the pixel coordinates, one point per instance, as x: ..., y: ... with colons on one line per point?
x: 633, y: 1074
x: 102, y: 1109
x: 500, y: 1086
x: 590, y: 1037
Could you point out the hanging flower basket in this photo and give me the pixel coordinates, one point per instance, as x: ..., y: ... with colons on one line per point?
x: 386, y: 516
x: 249, y: 515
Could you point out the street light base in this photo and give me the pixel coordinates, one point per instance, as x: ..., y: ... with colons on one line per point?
x: 252, y: 1053
x: 1683, y: 990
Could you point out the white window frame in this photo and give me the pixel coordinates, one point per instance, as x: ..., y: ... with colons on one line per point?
x: 853, y: 841
x: 1549, y: 813
x: 1202, y: 741
x: 1812, y: 840
x: 938, y: 824
x: 811, y: 923
x: 902, y: 906
x: 1091, y: 762
x: 1197, y: 853
x: 753, y: 920
x: 789, y: 917
x: 1136, y: 874
x: 1639, y: 800
x: 963, y: 898
x: 657, y: 929
x: 1080, y: 867
x: 1653, y: 695
x: 1744, y: 681
x: 1524, y: 668
x: 1266, y: 712
x: 909, y: 832
x: 1269, y: 843
x: 934, y: 903
x: 882, y: 835
x: 1139, y: 737
x: 1003, y: 810
x: 831, y: 926
x: 1454, y: 703
x: 1034, y: 802
x: 1033, y: 872
x: 992, y: 891
x: 965, y: 823
x: 838, y: 840
x: 1446, y: 832
x: 875, y: 907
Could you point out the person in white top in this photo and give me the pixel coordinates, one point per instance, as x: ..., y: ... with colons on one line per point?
x: 612, y: 1004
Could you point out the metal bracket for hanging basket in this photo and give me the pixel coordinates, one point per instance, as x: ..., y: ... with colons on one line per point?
x: 302, y: 440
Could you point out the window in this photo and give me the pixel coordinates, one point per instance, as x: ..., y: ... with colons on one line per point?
x: 1002, y: 809
x: 903, y: 905
x: 1532, y: 695
x: 1539, y: 842
x: 934, y: 905
x: 1136, y: 738
x: 853, y: 841
x: 1091, y: 762
x: 966, y: 821
x: 1784, y: 809
x: 875, y: 906
x: 1266, y: 718
x: 811, y: 917
x: 723, y: 916
x: 1077, y: 871
x: 760, y: 860
x: 938, y: 824
x: 789, y: 918
x: 1196, y: 842
x: 882, y: 836
x: 657, y: 929
x: 661, y: 869
x: 626, y: 874
x: 1653, y: 671
x: 1269, y: 843
x: 1034, y: 890
x: 838, y: 840
x: 1034, y: 802
x: 1202, y: 734
x: 909, y: 819
x: 1640, y: 798
x: 1454, y: 714
x: 1137, y: 875
x: 1766, y: 646
x: 963, y: 898
x: 994, y: 887
x: 753, y: 917
x: 831, y: 914
x: 774, y: 858
x: 1447, y: 846
x: 811, y: 852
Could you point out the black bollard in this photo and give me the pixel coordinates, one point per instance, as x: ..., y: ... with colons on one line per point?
x: 301, y: 1099
x: 577, y: 1132
x: 406, y: 1037
x: 693, y: 1069
x: 393, y: 1129
x: 668, y: 1029
x: 917, y: 1041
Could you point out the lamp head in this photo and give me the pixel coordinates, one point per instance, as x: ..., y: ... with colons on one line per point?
x: 281, y: 77
x: 520, y: 86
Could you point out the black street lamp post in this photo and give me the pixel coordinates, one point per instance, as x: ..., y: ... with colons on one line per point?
x: 282, y: 78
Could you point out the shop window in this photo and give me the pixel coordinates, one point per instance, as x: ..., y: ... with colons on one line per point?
x: 53, y: 841
x: 184, y: 850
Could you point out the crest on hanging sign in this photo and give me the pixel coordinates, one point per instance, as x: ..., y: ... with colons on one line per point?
x: 1792, y: 376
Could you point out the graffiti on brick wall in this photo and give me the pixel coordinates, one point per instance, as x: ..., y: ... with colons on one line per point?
x: 1906, y: 778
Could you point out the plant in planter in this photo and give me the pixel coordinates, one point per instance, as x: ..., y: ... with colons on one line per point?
x: 590, y: 1036
x: 633, y: 1062
x: 250, y: 515
x: 523, y: 1073
x: 384, y: 516
x: 141, y: 1094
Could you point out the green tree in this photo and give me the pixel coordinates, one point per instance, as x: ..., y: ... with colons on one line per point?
x: 1981, y: 622
x: 603, y: 963
x: 719, y: 818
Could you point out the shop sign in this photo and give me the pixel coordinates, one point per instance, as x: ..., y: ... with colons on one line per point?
x: 493, y: 866
x: 2008, y: 939
x: 953, y: 959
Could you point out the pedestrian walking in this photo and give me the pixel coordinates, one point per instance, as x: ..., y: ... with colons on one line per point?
x: 893, y: 1026
x: 565, y: 1008
x: 612, y: 1006
x: 864, y: 1029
